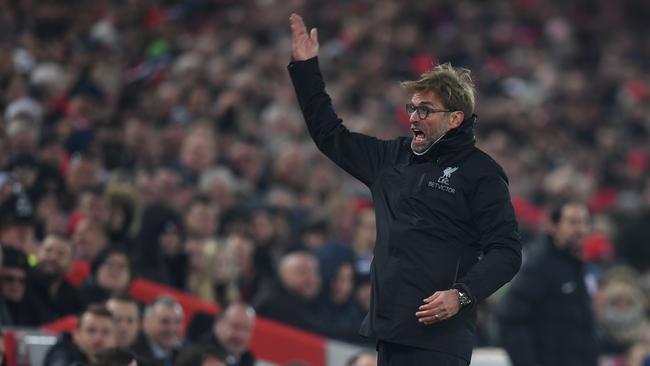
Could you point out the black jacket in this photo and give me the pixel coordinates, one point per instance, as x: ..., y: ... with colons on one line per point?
x: 246, y: 359
x: 546, y: 317
x: 436, y: 215
x: 277, y: 303
x: 65, y: 353
x: 65, y: 301
x: 144, y: 352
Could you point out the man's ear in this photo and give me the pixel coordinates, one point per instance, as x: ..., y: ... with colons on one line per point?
x: 457, y: 117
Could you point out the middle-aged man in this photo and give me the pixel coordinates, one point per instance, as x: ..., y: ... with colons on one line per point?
x: 232, y: 332
x: 546, y: 317
x: 293, y: 299
x: 447, y: 235
x: 126, y: 312
x: 95, y: 333
x: 57, y: 296
x: 162, y: 328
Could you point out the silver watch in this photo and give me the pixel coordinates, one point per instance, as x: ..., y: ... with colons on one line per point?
x: 463, y: 299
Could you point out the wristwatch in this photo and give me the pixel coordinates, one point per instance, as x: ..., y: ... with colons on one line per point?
x: 463, y: 299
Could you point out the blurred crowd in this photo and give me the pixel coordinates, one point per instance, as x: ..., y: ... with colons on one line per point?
x: 161, y: 139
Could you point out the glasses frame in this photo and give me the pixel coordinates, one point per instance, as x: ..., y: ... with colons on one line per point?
x: 423, y: 111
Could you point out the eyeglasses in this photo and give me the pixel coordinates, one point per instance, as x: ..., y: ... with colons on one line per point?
x: 423, y: 111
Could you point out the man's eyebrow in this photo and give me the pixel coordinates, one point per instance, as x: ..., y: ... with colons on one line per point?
x: 425, y: 102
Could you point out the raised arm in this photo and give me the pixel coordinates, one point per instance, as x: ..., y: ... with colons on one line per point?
x: 360, y: 155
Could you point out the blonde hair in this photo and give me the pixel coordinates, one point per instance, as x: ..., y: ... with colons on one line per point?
x: 454, y: 87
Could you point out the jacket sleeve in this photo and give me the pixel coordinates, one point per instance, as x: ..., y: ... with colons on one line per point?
x: 494, y: 218
x: 515, y: 313
x: 358, y: 154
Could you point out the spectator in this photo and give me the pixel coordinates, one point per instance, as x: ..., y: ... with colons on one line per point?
x: 17, y: 226
x: 126, y: 312
x: 23, y: 308
x: 340, y: 310
x: 160, y: 340
x: 546, y: 317
x: 621, y: 316
x: 95, y: 333
x: 56, y: 295
x: 231, y: 334
x: 158, y: 251
x: 111, y: 274
x: 90, y: 238
x: 294, y: 298
x: 201, y: 217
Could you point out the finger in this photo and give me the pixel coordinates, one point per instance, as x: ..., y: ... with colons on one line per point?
x: 427, y: 313
x: 432, y: 297
x: 430, y: 320
x: 297, y: 24
x: 429, y: 306
x: 314, y: 35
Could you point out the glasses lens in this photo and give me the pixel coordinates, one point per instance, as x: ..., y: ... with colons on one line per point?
x: 421, y: 111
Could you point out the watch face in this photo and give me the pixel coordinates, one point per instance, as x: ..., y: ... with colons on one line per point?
x: 463, y: 298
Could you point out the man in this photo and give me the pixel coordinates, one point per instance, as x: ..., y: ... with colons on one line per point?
x: 17, y: 221
x: 21, y: 305
x: 127, y: 319
x: 231, y: 333
x: 95, y: 333
x: 162, y: 327
x: 56, y: 295
x: 546, y: 317
x: 294, y: 298
x: 441, y: 204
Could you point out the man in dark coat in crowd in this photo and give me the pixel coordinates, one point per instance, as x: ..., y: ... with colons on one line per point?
x: 293, y: 299
x: 231, y: 334
x: 546, y: 316
x: 58, y: 297
x: 95, y: 333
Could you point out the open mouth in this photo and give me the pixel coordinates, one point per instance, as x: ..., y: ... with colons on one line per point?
x: 418, y: 135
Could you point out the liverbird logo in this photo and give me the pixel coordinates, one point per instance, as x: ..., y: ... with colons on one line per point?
x: 446, y: 174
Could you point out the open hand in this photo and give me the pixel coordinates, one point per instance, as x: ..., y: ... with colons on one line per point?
x: 439, y: 306
x: 303, y: 46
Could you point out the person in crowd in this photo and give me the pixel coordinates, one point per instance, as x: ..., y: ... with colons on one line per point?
x: 621, y: 318
x: 293, y: 299
x: 95, y: 332
x: 111, y: 273
x: 56, y: 295
x: 231, y: 334
x: 158, y: 251
x: 161, y: 338
x: 17, y: 222
x: 20, y: 302
x: 90, y: 238
x: 546, y: 316
x: 126, y: 312
x: 441, y: 204
x: 340, y: 310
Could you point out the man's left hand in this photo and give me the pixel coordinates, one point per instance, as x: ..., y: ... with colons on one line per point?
x: 439, y: 306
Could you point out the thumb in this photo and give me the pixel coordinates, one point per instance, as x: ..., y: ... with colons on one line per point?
x: 313, y: 34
